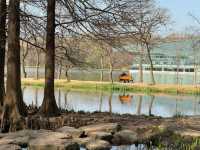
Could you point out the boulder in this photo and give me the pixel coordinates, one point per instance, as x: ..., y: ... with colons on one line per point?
x: 10, y: 147
x: 101, y: 135
x: 106, y: 127
x: 17, y: 138
x: 98, y: 145
x: 187, y: 133
x: 76, y: 133
x: 82, y: 141
x: 51, y: 141
x: 56, y: 145
x: 125, y: 137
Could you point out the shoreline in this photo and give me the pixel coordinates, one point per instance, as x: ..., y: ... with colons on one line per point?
x: 85, y: 129
x: 117, y: 86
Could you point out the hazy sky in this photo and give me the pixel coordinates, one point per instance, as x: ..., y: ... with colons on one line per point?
x: 179, y: 9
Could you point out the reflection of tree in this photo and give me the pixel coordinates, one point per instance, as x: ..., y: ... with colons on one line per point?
x: 110, y: 102
x: 36, y: 97
x: 23, y: 89
x: 151, y: 104
x: 59, y: 98
x: 66, y: 98
x: 195, y: 104
x: 139, y: 105
x: 101, y: 100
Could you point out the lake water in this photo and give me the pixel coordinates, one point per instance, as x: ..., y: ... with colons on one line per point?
x: 121, y: 103
x: 130, y: 147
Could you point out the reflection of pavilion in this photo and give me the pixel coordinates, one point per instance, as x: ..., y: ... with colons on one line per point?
x: 125, y: 98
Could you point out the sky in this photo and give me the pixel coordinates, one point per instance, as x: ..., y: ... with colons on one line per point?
x: 178, y: 10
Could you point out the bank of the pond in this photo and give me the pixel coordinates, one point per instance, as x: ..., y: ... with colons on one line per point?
x: 116, y: 86
x: 101, y: 131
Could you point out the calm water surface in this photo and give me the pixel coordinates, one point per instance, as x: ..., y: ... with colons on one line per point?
x: 121, y: 103
x: 95, y: 75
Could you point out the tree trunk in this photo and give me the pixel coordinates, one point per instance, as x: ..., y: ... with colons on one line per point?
x: 14, y: 107
x: 2, y: 47
x: 24, y: 55
x: 60, y: 70
x: 101, y: 78
x: 195, y: 74
x: 151, y: 65
x: 49, y: 107
x: 67, y: 74
x: 195, y: 71
x: 111, y: 71
x: 23, y: 68
x: 178, y: 66
x: 140, y: 65
x: 38, y: 64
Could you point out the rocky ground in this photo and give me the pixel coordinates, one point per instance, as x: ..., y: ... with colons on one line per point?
x: 99, y: 131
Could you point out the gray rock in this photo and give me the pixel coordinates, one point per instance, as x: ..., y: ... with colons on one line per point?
x: 82, y: 141
x: 17, y: 138
x: 187, y: 133
x: 125, y: 137
x: 101, y: 135
x: 106, y: 127
x: 98, y: 145
x: 51, y: 141
x: 10, y: 147
x: 56, y: 145
x: 76, y: 133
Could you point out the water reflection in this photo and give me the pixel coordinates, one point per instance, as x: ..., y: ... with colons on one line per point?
x: 121, y: 103
x: 125, y: 99
x: 110, y: 102
x: 151, y: 104
x: 131, y: 147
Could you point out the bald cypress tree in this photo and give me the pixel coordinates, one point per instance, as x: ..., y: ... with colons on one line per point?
x: 2, y: 47
x: 49, y: 107
x: 14, y: 107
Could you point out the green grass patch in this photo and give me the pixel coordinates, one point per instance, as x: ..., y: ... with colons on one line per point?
x: 118, y: 87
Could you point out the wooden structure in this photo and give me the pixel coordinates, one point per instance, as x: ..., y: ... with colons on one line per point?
x: 124, y: 77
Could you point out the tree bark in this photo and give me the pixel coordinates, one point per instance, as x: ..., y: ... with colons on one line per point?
x: 67, y: 74
x: 111, y: 71
x: 24, y: 55
x: 178, y: 66
x: 37, y: 64
x: 60, y: 70
x: 2, y: 47
x: 151, y: 65
x: 140, y: 65
x: 49, y: 107
x: 101, y: 78
x: 14, y: 107
x: 195, y: 74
